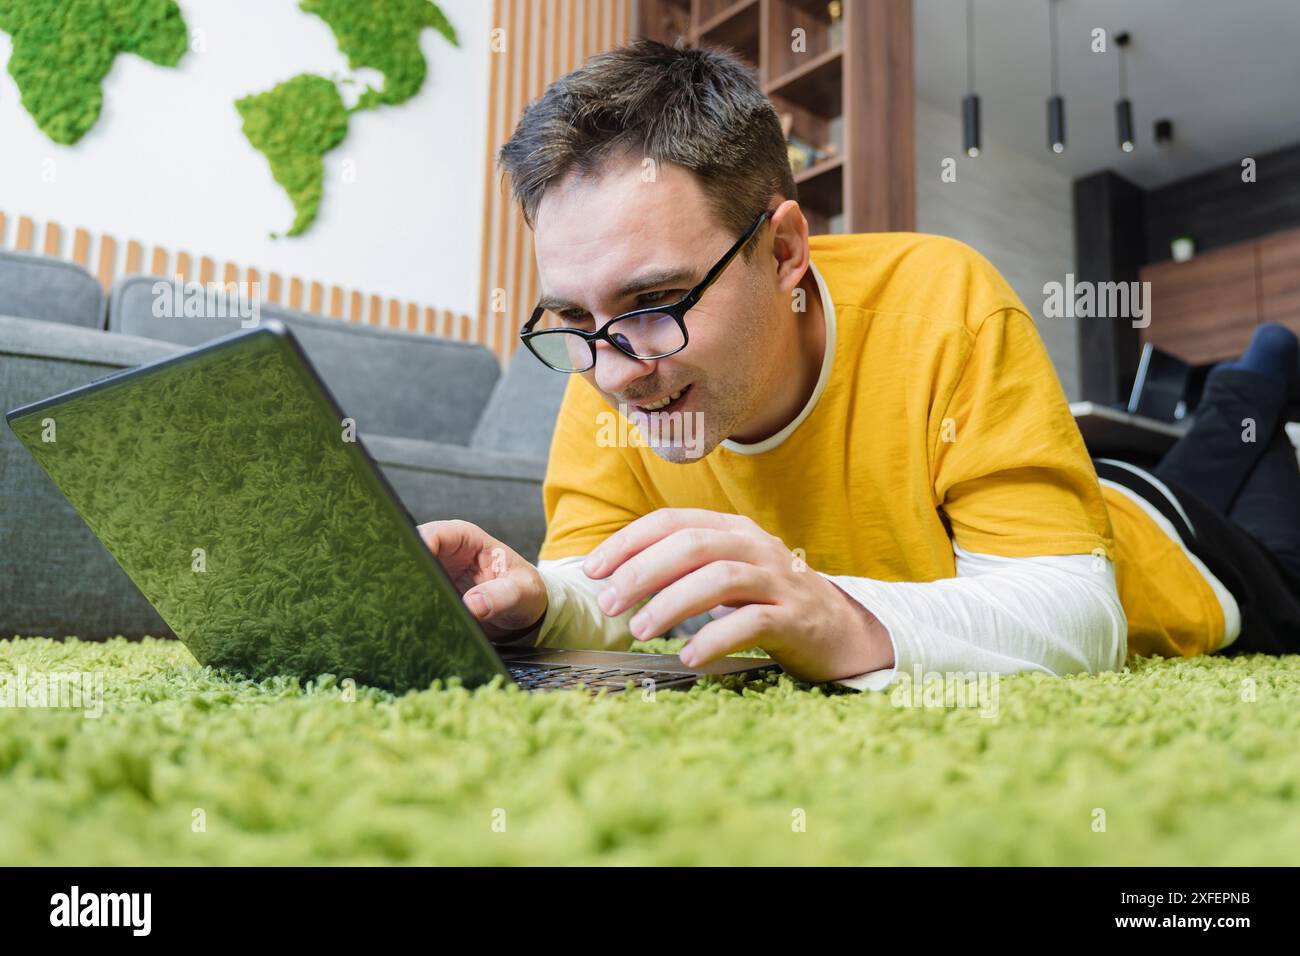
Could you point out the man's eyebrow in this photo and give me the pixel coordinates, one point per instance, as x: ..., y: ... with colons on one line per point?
x: 663, y: 278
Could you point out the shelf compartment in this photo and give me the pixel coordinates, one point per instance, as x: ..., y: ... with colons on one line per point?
x: 668, y: 21
x: 812, y: 17
x: 817, y: 86
x: 821, y: 187
x: 737, y: 27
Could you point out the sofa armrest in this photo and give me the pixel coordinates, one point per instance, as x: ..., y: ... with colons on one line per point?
x: 501, y: 493
x: 56, y: 579
x: 73, y: 343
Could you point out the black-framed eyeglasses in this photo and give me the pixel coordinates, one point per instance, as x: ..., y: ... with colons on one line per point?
x: 654, y: 332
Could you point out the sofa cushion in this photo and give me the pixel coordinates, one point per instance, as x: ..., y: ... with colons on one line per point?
x: 520, y: 415
x: 56, y: 578
x: 500, y: 493
x: 52, y: 290
x: 392, y: 383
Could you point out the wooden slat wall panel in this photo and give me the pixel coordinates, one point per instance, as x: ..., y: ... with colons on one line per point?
x: 134, y: 257
x: 496, y: 72
x: 517, y: 75
x: 101, y: 256
x: 107, y: 260
x: 519, y: 265
x: 80, y: 247
x: 53, y: 239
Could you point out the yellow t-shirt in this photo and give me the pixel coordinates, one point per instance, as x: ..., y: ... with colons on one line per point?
x: 1171, y: 609
x: 942, y: 415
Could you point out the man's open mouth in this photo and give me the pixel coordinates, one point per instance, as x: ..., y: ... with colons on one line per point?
x: 668, y: 403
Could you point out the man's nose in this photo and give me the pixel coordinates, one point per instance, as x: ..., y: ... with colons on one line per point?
x: 616, y: 370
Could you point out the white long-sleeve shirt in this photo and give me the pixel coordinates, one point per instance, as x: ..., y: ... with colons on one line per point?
x: 1056, y: 615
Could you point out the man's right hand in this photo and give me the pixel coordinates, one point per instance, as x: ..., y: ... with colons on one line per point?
x: 504, y: 592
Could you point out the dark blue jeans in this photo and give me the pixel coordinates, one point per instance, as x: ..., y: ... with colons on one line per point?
x: 1255, y: 484
x: 1243, y: 500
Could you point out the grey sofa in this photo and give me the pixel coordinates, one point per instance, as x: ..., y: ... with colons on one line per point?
x: 454, y: 437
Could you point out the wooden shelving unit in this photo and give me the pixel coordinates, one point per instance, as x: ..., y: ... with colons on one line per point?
x: 844, y: 83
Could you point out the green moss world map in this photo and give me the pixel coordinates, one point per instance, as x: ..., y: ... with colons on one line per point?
x: 63, y: 49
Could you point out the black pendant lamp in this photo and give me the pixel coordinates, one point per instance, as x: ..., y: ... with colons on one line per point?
x: 1055, y: 103
x: 970, y: 104
x: 1123, y: 108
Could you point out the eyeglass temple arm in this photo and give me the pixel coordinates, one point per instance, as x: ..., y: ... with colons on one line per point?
x: 532, y: 320
x: 712, y: 275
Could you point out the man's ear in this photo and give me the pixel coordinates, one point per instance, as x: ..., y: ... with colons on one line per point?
x: 789, y: 245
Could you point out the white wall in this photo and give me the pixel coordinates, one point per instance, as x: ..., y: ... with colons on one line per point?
x: 167, y: 163
x: 1013, y: 208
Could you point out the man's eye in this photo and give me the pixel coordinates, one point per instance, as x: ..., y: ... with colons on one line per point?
x: 575, y: 318
x: 655, y: 298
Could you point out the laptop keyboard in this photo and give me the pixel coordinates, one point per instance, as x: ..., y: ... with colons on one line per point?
x: 570, y: 677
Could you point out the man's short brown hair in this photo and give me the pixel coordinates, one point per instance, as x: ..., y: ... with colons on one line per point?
x: 701, y: 109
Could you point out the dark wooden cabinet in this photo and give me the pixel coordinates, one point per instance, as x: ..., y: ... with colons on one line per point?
x: 1279, y: 279
x: 1206, y: 309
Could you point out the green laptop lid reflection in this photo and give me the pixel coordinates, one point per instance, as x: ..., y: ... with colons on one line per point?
x: 227, y: 486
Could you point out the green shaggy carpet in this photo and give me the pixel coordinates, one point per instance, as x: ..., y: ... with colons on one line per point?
x: 1168, y: 762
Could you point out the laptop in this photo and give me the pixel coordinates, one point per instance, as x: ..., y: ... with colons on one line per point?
x: 233, y: 491
x: 1160, y: 386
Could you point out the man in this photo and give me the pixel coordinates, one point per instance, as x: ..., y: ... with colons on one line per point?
x: 859, y: 457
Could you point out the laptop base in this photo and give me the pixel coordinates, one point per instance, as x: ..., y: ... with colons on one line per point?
x: 557, y: 669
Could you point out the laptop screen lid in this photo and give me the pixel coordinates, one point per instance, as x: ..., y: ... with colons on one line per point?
x: 231, y: 489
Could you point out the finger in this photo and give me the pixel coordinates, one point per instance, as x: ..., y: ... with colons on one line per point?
x: 669, y: 559
x: 745, y: 628
x: 719, y: 582
x: 446, y: 538
x: 497, y: 602
x: 465, y: 551
x: 646, y: 530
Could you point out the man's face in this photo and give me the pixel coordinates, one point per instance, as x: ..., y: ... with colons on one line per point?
x: 613, y: 243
